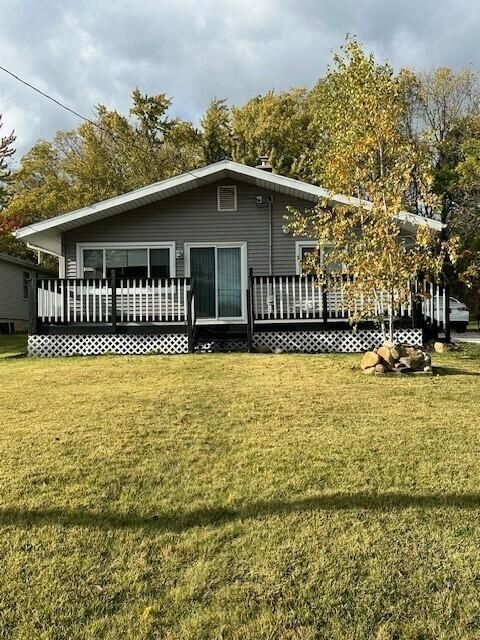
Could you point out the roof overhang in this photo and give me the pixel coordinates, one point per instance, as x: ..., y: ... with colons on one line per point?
x: 47, y: 234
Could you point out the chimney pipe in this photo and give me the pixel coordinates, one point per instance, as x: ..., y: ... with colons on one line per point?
x: 264, y: 164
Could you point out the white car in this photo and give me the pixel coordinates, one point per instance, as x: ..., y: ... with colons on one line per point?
x: 459, y: 315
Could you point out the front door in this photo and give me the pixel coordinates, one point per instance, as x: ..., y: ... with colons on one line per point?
x: 217, y: 271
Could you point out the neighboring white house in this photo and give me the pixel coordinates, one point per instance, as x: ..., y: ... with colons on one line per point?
x: 14, y: 277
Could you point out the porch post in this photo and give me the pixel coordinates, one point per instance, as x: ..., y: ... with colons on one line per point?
x: 448, y: 336
x: 190, y: 319
x: 250, y: 311
x: 324, y: 306
x: 33, y: 304
x: 113, y: 285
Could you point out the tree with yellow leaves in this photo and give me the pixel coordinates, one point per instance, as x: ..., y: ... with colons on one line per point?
x: 367, y: 155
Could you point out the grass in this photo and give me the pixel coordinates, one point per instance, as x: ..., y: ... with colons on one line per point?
x: 13, y: 345
x: 238, y: 496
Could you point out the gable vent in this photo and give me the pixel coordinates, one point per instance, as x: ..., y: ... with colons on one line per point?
x: 227, y: 198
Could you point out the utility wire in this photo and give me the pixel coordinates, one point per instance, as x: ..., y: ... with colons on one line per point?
x: 79, y: 115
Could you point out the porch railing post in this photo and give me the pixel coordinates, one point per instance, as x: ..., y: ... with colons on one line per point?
x: 448, y: 335
x: 190, y: 317
x: 113, y: 285
x: 250, y: 311
x: 417, y: 313
x: 324, y: 306
x: 33, y: 304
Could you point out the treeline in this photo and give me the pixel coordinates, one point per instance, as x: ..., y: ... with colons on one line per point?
x: 118, y: 152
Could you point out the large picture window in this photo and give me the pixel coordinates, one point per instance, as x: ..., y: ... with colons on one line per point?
x: 130, y: 261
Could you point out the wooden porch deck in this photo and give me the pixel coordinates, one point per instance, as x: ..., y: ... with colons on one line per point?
x: 129, y: 306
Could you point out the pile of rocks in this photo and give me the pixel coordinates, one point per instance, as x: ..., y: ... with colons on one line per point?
x: 393, y: 358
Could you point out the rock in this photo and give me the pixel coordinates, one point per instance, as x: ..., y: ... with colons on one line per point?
x: 369, y: 359
x: 416, y: 361
x: 395, y: 351
x: 263, y: 348
x: 379, y: 369
x: 369, y: 371
x: 441, y: 347
x: 385, y: 354
x: 405, y: 352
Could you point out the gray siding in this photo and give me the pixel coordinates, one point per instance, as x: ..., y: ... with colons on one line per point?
x: 13, y: 306
x: 193, y: 217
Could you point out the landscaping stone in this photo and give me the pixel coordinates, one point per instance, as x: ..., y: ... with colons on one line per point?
x: 395, y: 352
x: 385, y: 354
x: 369, y: 371
x: 397, y: 359
x: 369, y: 359
x: 441, y: 347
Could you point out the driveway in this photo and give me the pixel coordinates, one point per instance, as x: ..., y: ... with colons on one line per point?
x: 470, y: 336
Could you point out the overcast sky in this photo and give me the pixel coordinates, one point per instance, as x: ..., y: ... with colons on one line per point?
x: 89, y: 51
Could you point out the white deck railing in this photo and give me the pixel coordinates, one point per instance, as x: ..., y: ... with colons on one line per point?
x: 91, y: 301
x: 302, y: 298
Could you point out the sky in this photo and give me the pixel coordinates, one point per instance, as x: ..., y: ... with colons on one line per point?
x: 86, y: 52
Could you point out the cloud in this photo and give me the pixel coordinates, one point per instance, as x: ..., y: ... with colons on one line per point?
x: 92, y: 51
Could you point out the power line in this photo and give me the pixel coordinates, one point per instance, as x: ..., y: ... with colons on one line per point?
x: 79, y: 115
x: 46, y: 95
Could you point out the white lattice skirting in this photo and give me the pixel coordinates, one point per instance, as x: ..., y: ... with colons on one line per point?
x: 95, y: 345
x: 172, y: 343
x: 330, y: 341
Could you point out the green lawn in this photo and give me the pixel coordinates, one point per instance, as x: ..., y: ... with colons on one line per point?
x: 238, y: 496
x: 14, y: 344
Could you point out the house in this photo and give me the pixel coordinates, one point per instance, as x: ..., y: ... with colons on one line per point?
x: 14, y: 278
x: 197, y: 261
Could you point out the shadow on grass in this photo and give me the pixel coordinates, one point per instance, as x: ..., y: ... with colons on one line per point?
x: 179, y: 522
x: 454, y: 371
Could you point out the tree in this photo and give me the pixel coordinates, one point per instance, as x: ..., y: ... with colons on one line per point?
x: 7, y: 243
x: 275, y: 125
x: 442, y: 100
x: 216, y: 132
x: 101, y: 159
x: 365, y: 153
x: 6, y: 154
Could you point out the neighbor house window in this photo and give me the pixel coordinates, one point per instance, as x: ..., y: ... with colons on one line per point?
x: 26, y: 280
x: 127, y: 261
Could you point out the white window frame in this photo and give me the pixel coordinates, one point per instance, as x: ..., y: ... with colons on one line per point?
x: 227, y: 186
x: 126, y: 245
x: 244, y: 277
x: 301, y: 244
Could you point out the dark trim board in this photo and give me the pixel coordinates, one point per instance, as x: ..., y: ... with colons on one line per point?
x: 319, y: 325
x: 108, y: 329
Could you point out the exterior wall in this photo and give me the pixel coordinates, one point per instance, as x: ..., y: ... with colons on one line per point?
x: 193, y: 217
x: 13, y: 306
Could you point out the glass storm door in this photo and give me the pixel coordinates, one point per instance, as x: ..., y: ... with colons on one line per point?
x: 218, y: 281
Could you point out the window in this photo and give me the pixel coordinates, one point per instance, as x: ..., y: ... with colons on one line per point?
x: 227, y: 198
x: 93, y: 263
x: 310, y: 246
x: 25, y: 282
x: 128, y: 261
